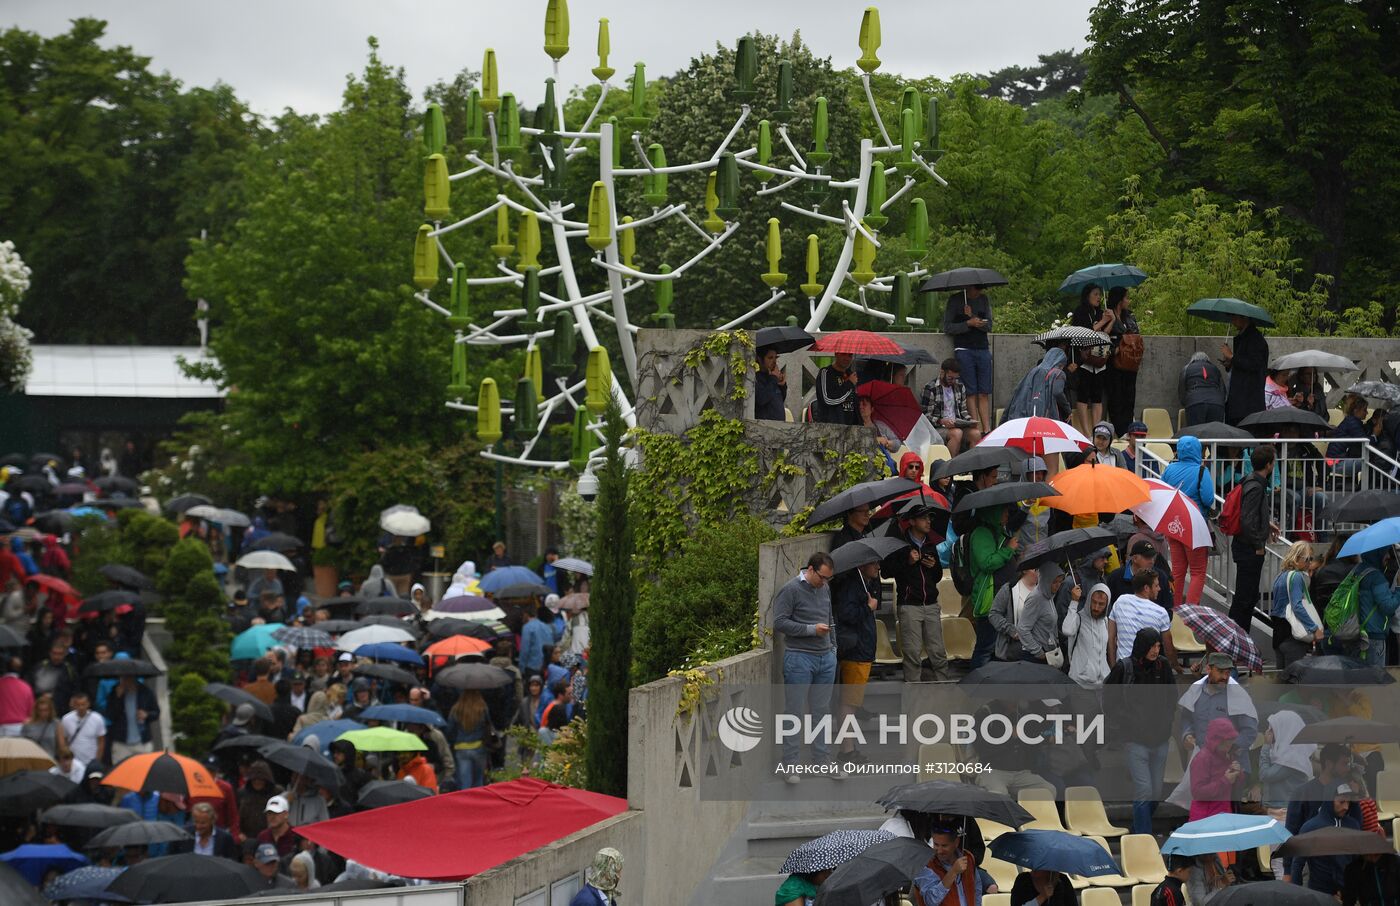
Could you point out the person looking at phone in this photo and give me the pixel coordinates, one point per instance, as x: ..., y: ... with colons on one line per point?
x: 944, y: 402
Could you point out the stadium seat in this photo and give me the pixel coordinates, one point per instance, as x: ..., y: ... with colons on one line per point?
x: 787, y: 415
x: 1180, y: 419
x: 959, y: 638
x: 1084, y: 812
x: 937, y: 453
x: 1164, y: 452
x: 1159, y: 423
x: 948, y: 598
x: 1335, y: 416
x: 997, y: 420
x: 1099, y: 896
x: 996, y: 899
x: 1004, y: 873
x: 884, y: 654
x: 1174, y: 771
x: 1040, y: 802
x: 1142, y: 858
x: 1184, y: 639
x: 1142, y: 894
x: 1387, y: 794
x: 992, y: 829
x: 1265, y: 856
x: 1108, y: 880
x: 937, y: 753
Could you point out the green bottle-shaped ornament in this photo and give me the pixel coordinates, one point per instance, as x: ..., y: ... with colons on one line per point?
x: 437, y: 188
x: 773, y: 277
x: 745, y: 69
x: 434, y: 130
x: 812, y: 288
x: 526, y: 420
x: 461, y: 318
x: 665, y: 294
x: 783, y: 112
x: 458, y: 388
x: 903, y: 301
x: 549, y: 121
x: 627, y: 244
x: 907, y: 136
x: 583, y: 442
x: 931, y: 306
x: 875, y: 196
x: 556, y: 29
x: 562, y: 345
x: 503, y: 246
x: 534, y: 369
x: 425, y: 258
x: 933, y: 150
x: 490, y: 84
x: 917, y: 230
x: 727, y: 187
x: 654, y: 184
x: 911, y: 100
x: 475, y: 139
x: 508, y: 125
x: 527, y: 241
x: 602, y: 72
x: 765, y: 147
x: 637, y: 118
x: 530, y: 300
x: 869, y: 40
x: 597, y: 381
x: 488, y: 412
x: 819, y: 155
x: 599, y: 223
x: 555, y: 172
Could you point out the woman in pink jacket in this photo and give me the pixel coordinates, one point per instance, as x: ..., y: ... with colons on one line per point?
x: 1215, y: 771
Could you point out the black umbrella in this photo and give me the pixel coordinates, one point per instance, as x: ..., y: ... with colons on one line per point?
x: 335, y: 627
x: 119, y: 502
x: 908, y: 358
x: 386, y: 672
x: 379, y: 793
x: 446, y: 627
x: 38, y: 485
x: 881, y: 869
x: 962, y: 277
x: 1334, y: 670
x: 407, y: 626
x: 1333, y: 841
x: 15, y: 890
x: 474, y: 676
x: 1348, y: 730
x: 394, y: 607
x: 112, y: 483
x: 1078, y: 337
x: 139, y: 833
x: 1017, y: 673
x: 14, y: 460
x: 978, y: 459
x: 39, y: 460
x: 1214, y: 431
x: 71, y: 489
x: 304, y: 760
x: 867, y: 492
x: 1066, y: 545
x: 186, y: 878
x: 865, y: 550
x: 236, y: 696
x: 521, y: 590
x: 1364, y: 506
x: 946, y: 797
x: 247, y: 741
x: 1004, y: 493
x: 1285, y: 416
x: 122, y: 667
x: 11, y: 639
x: 179, y: 504
x: 1270, y: 893
x: 110, y: 600
x: 276, y: 541
x: 1308, y: 713
x: 55, y: 522
x: 88, y: 814
x: 25, y: 792
x: 782, y: 339
x: 341, y: 601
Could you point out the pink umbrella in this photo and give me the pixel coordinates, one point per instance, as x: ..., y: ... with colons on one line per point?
x: 1175, y: 515
x: 1038, y: 436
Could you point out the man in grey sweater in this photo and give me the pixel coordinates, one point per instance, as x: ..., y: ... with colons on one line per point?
x: 802, y: 615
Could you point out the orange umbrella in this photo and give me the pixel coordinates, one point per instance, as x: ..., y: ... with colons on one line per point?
x: 164, y: 772
x: 1095, y: 488
x: 458, y: 645
x: 20, y: 754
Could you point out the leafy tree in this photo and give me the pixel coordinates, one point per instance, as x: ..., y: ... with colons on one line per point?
x: 1057, y: 75
x: 15, y: 358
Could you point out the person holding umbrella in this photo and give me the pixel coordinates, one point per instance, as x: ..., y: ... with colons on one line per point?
x: 1087, y: 369
x: 917, y: 572
x: 967, y: 318
x: 1372, y: 880
x: 1325, y: 872
x: 856, y: 600
x: 951, y: 876
x: 1246, y: 363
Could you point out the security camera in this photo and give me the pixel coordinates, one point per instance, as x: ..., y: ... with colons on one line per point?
x: 588, y: 484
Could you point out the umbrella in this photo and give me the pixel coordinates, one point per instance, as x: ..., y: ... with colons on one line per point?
x: 1376, y: 390
x: 908, y: 358
x: 1078, y: 337
x: 387, y: 672
x: 54, y: 584
x: 782, y: 339
x: 1017, y: 673
x: 253, y: 642
x: 122, y: 667
x: 71, y: 489
x: 1038, y: 436
x: 978, y: 459
x: 867, y: 492
x: 165, y: 772
x: 326, y: 732
x: 1052, y: 850
x: 1334, y: 670
x: 55, y: 522
x: 380, y: 619
x: 113, y: 483
x: 392, y: 607
x: 404, y: 521
x: 372, y: 635
x: 502, y: 576
x: 229, y: 518
x: 868, y: 876
x: 1383, y: 534
x: 575, y: 602
x: 266, y: 560
x: 304, y: 760
x: 946, y: 797
x: 26, y: 791
x: 574, y: 565
x: 961, y: 278
x: 37, y: 485
x: 1334, y: 841
x: 521, y: 590
x: 303, y: 637
x: 474, y: 676
x: 1224, y: 311
x: 1105, y: 276
x: 335, y: 627
x: 186, y: 878
x: 118, y: 503
x: 404, y: 714
x: 1364, y: 506
x: 109, y: 600
x: 865, y: 550
x: 1270, y: 893
x: 379, y: 793
x: 892, y: 404
x: 458, y: 645
x: 1004, y: 493
x: 88, y: 814
x: 11, y: 639
x: 1066, y: 545
x: 127, y: 577
x: 1285, y: 416
x: 139, y: 833
x: 1174, y: 515
x: 486, y: 630
x: 1313, y: 358
x: 1096, y: 488
x: 235, y: 696
x: 276, y: 541
x: 185, y: 501
x: 1308, y: 713
x: 1220, y: 633
x: 830, y: 850
x: 1214, y: 431
x: 1348, y: 730
x: 389, y: 651
x: 464, y: 604
x: 1225, y: 833
x: 20, y: 754
x: 856, y: 342
x: 246, y: 741
x: 86, y: 883
x: 34, y: 860
x: 383, y: 739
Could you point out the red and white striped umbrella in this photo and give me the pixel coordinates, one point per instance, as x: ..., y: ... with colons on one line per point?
x: 1175, y: 515
x: 1038, y: 436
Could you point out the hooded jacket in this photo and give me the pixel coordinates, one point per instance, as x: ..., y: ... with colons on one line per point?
x: 1002, y: 616
x: 1041, y: 391
x: 1138, y: 692
x: 855, y: 620
x: 1285, y: 765
x: 1088, y: 640
x: 1039, y: 625
x: 915, y: 583
x: 1211, y: 790
x: 1377, y: 601
x: 1186, y: 474
x: 1325, y: 873
x: 1201, y: 383
x: 377, y: 585
x: 988, y: 550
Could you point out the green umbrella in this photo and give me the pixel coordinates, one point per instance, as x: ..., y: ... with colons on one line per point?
x: 1224, y: 310
x: 383, y: 739
x: 254, y: 642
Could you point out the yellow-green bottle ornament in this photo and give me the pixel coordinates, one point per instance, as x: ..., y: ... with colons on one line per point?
x: 503, y: 246
x: 597, y: 381
x: 627, y: 244
x: 562, y: 345
x: 526, y: 420
x: 773, y: 277
x: 599, y: 223
x: 911, y: 100
x: 556, y: 29
x: 765, y: 147
x: 475, y: 139
x: 875, y: 196
x: 665, y: 295
x: 602, y: 72
x: 460, y: 318
x: 437, y: 188
x: 819, y: 155
x: 917, y: 229
x: 527, y: 241
x: 488, y: 412
x: 907, y: 136
x: 534, y: 369
x: 863, y: 268
x: 425, y: 258
x: 434, y: 130
x: 637, y: 118
x: 508, y: 139
x: 812, y: 287
x: 712, y: 221
x: 458, y: 388
x: 654, y: 184
x: 490, y: 84
x: 869, y: 40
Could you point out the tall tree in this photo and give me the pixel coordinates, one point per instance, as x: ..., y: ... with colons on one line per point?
x: 1056, y: 75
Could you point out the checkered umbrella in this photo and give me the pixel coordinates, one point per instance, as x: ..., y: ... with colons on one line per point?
x: 830, y: 850
x: 303, y: 637
x: 856, y: 342
x: 1218, y: 632
x: 1075, y: 336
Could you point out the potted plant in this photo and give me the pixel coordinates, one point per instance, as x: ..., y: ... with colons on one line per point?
x: 324, y: 568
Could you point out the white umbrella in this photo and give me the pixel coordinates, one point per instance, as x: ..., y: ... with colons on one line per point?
x: 1313, y: 358
x: 574, y: 565
x: 231, y: 518
x: 1175, y: 515
x: 266, y: 560
x: 494, y: 613
x: 372, y: 634
x: 405, y: 521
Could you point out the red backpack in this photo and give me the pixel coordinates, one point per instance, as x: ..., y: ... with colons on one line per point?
x: 1230, y: 512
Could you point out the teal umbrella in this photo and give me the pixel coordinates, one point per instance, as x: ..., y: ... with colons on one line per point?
x: 1224, y: 310
x: 1105, y: 276
x: 254, y: 642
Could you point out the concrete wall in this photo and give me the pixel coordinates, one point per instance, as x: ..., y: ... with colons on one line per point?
x: 542, y: 868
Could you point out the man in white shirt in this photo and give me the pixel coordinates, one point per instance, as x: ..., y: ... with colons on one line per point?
x: 69, y: 767
x: 84, y: 728
x: 1138, y: 611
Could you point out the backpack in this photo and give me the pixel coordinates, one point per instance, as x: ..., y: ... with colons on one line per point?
x: 1128, y: 355
x: 1230, y: 522
x: 1343, y: 614
x: 960, y: 563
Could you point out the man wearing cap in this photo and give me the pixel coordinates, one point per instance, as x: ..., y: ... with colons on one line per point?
x: 1325, y: 873
x: 1136, y: 432
x: 1217, y: 695
x: 1142, y: 557
x: 917, y: 571
x: 345, y: 667
x: 267, y: 861
x: 279, y: 834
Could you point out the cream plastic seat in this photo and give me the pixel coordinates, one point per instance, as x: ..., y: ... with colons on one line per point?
x: 1159, y: 422
x: 1388, y: 794
x: 1142, y: 859
x: 1184, y: 639
x: 959, y: 638
x: 1142, y: 894
x: 996, y: 899
x: 1004, y: 873
x: 1099, y: 896
x: 884, y: 654
x: 937, y: 753
x: 1084, y: 812
x: 1109, y: 880
x: 1040, y: 802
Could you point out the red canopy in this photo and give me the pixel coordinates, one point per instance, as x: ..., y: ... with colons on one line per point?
x: 457, y: 835
x: 893, y: 404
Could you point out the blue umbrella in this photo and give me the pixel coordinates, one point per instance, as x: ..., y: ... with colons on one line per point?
x: 500, y: 577
x: 33, y: 860
x: 254, y: 642
x: 86, y: 883
x: 1042, y: 850
x: 389, y: 651
x: 1106, y: 276
x: 1382, y: 534
x: 404, y: 714
x: 1225, y: 833
x: 326, y: 731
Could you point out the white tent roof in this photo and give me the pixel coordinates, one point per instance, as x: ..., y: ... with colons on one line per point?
x: 143, y: 372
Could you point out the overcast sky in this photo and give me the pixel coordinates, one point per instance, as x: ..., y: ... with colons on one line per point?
x: 296, y: 53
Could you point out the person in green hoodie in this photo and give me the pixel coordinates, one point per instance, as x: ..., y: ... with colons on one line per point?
x: 990, y: 549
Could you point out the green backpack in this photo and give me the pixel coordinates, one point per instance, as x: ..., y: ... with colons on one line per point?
x: 1343, y: 614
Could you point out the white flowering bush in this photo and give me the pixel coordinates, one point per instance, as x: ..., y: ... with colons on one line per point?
x: 15, y: 357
